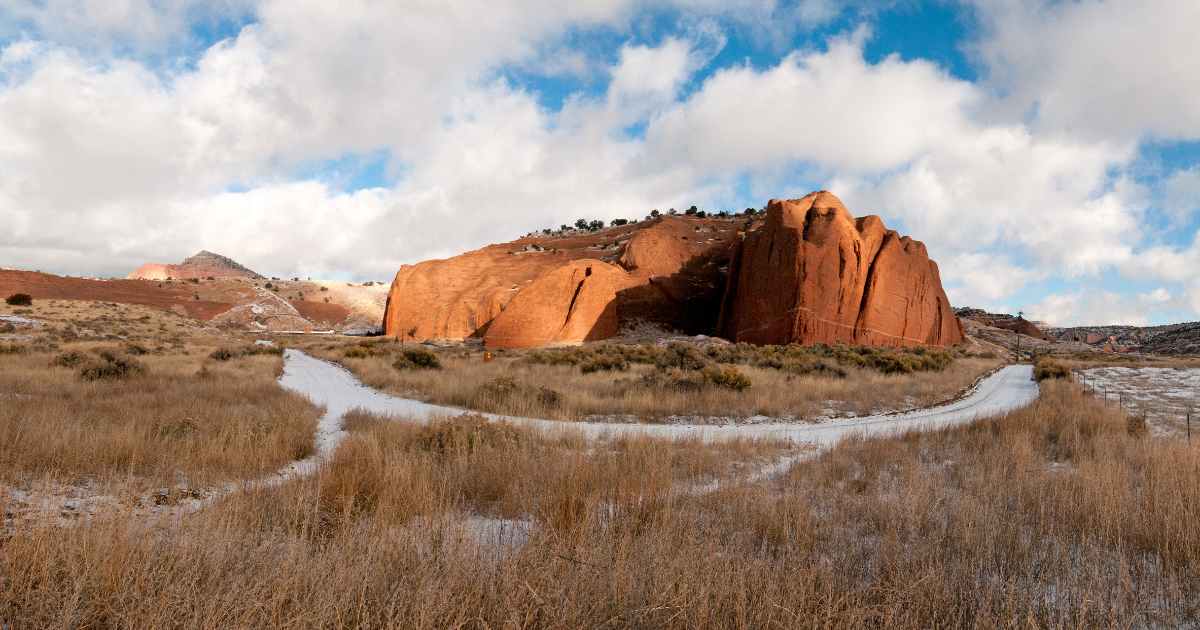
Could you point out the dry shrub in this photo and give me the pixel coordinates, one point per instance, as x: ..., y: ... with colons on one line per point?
x: 505, y: 393
x: 366, y: 349
x: 69, y: 359
x: 467, y: 434
x: 19, y: 299
x: 818, y: 360
x: 110, y: 367
x: 726, y: 377
x: 1050, y: 369
x: 228, y: 354
x: 604, y: 363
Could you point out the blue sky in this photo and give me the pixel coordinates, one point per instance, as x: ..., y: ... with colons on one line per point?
x: 1047, y: 152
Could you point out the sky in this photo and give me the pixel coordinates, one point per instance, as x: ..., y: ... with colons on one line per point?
x: 1048, y: 153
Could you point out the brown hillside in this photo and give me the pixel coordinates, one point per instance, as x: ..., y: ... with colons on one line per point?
x: 172, y: 297
x: 237, y: 302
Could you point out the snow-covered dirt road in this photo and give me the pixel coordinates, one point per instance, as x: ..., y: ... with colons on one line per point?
x: 335, y: 388
x: 339, y: 391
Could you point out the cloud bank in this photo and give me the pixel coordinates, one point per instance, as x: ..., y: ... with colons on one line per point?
x: 122, y: 140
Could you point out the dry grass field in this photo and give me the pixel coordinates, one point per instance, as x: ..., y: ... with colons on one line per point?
x: 101, y: 406
x: 1063, y: 514
x: 1054, y: 516
x: 536, y: 385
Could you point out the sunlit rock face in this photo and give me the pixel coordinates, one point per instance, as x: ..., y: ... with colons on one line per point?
x: 812, y: 273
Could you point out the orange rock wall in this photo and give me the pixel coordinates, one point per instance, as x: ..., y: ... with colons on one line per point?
x: 809, y: 273
x: 653, y: 271
x: 812, y: 273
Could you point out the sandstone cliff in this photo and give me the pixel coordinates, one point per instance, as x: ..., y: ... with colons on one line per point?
x: 668, y: 271
x: 812, y: 273
x: 808, y: 273
x: 575, y: 302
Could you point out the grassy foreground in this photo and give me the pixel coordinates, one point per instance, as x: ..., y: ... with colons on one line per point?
x: 129, y: 418
x: 1056, y: 515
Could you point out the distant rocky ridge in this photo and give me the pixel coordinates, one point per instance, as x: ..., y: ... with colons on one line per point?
x: 1014, y: 323
x: 204, y: 264
x: 806, y: 273
x: 1171, y: 339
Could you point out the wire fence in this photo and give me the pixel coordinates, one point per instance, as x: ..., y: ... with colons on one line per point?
x: 1135, y: 406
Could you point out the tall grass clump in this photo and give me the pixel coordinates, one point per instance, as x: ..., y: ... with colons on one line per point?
x: 1046, y: 369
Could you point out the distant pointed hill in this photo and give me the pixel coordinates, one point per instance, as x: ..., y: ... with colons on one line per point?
x: 205, y: 264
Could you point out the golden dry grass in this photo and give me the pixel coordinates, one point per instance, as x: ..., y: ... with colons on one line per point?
x: 186, y: 419
x: 1054, y: 516
x: 463, y: 382
x: 67, y: 321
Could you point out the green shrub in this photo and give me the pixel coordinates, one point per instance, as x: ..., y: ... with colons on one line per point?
x: 12, y: 348
x: 19, y: 299
x: 417, y: 359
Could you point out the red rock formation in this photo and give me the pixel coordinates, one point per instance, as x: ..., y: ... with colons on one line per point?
x: 810, y: 273
x: 814, y: 274
x: 670, y: 265
x: 573, y: 303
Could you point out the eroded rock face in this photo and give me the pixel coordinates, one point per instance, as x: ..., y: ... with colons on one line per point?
x: 668, y: 271
x: 812, y: 273
x: 809, y: 273
x: 574, y: 303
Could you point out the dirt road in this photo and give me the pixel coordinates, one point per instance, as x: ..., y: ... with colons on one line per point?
x: 339, y: 391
